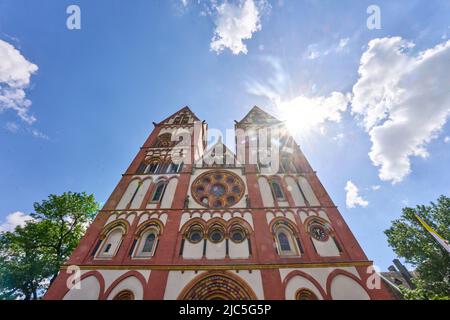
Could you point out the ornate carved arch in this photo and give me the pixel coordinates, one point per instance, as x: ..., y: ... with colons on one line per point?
x: 217, y: 286
x: 118, y: 223
x: 128, y: 274
x: 144, y: 226
x: 283, y: 221
x: 194, y: 221
x: 319, y: 220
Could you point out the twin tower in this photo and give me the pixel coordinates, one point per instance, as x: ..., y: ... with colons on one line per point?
x: 195, y: 222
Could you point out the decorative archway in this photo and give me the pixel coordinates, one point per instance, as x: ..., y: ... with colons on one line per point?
x: 217, y: 286
x: 124, y: 295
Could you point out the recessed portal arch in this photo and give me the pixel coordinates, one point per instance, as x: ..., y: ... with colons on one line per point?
x: 217, y: 286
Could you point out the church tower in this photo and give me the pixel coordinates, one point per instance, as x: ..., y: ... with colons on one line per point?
x: 191, y: 221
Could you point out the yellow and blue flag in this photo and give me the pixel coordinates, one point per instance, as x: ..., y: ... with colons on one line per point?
x: 444, y: 243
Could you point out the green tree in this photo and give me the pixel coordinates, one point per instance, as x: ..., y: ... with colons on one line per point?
x: 31, y: 256
x: 23, y: 265
x: 65, y: 219
x: 412, y: 242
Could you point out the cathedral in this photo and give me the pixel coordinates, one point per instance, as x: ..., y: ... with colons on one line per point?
x: 192, y: 221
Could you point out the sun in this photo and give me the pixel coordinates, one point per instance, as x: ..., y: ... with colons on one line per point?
x: 300, y: 116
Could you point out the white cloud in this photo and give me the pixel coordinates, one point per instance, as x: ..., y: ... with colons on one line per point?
x: 15, y: 73
x: 275, y: 84
x: 343, y: 43
x: 376, y: 187
x: 318, y: 50
x: 13, y: 220
x: 353, y: 199
x: 403, y: 101
x: 447, y: 139
x: 312, y: 52
x: 12, y: 127
x: 339, y: 137
x: 38, y: 134
x: 235, y: 23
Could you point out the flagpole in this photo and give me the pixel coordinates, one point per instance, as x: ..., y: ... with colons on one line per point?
x: 444, y: 243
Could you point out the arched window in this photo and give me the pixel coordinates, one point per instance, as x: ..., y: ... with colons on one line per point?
x: 159, y: 192
x: 124, y: 295
x: 286, y: 241
x: 239, y: 244
x: 277, y: 190
x: 146, y: 244
x: 128, y: 195
x: 175, y: 168
x: 237, y: 233
x: 153, y: 166
x: 323, y: 238
x: 287, y: 166
x: 195, y: 234
x: 111, y: 243
x: 305, y: 294
x: 308, y: 192
x: 142, y: 168
x: 149, y: 243
x: 216, y: 233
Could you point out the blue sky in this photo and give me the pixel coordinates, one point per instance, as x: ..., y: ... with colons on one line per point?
x: 94, y: 93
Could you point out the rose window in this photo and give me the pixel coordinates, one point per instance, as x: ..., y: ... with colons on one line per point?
x: 218, y: 189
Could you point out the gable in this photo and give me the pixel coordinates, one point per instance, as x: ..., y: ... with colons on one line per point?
x: 259, y: 116
x: 218, y: 155
x: 181, y: 117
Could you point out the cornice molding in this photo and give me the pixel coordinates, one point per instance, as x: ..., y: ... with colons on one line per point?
x: 228, y: 266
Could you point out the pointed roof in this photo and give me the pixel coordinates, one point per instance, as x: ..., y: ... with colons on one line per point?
x: 258, y: 116
x: 227, y: 153
x: 183, y: 111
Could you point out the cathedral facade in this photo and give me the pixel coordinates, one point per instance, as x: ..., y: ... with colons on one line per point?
x: 190, y: 221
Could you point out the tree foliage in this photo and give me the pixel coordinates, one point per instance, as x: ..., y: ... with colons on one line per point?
x: 412, y: 242
x: 30, y: 256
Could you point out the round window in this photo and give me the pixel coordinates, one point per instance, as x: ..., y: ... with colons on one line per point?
x: 216, y: 236
x: 218, y: 189
x: 195, y: 236
x: 237, y: 236
x: 318, y: 232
